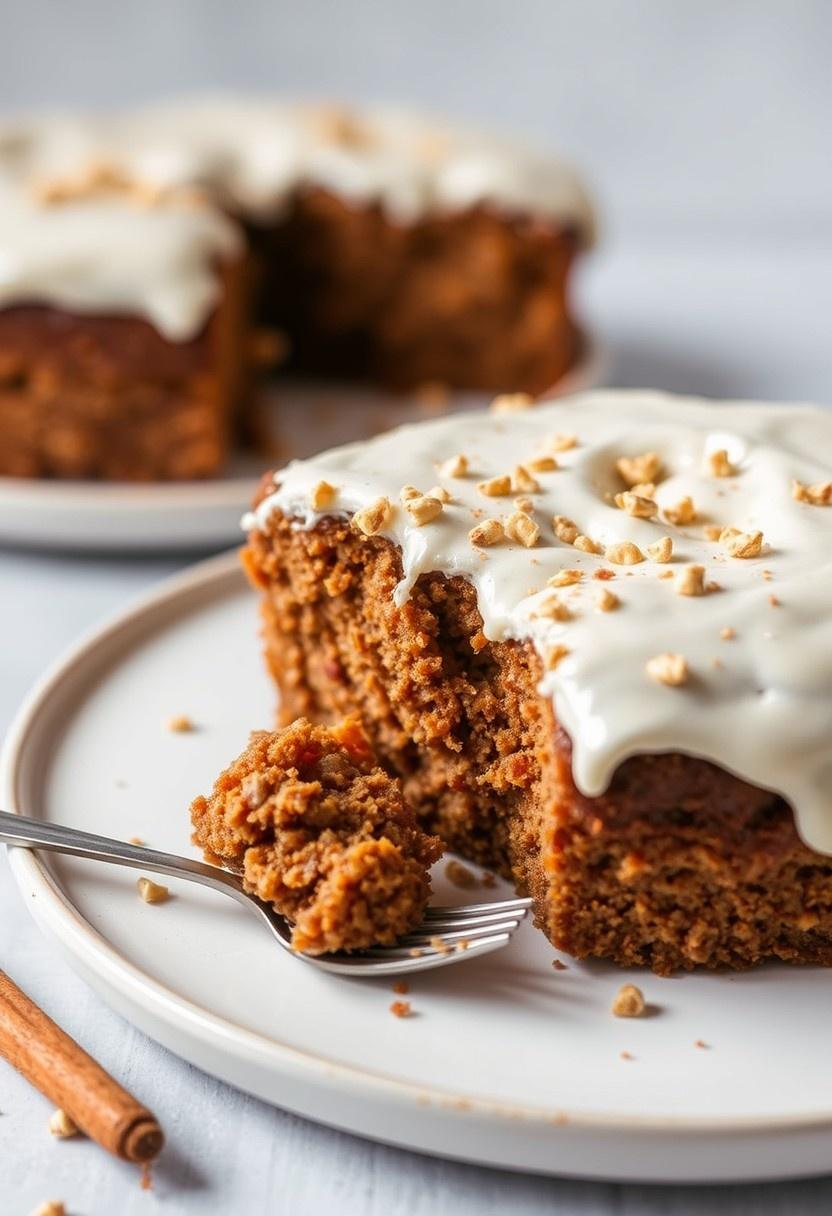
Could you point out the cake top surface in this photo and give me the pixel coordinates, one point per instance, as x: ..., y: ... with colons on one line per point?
x: 670, y: 560
x: 63, y: 231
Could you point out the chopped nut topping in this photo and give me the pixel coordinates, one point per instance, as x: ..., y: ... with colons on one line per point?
x: 774, y: 601
x: 727, y: 633
x: 607, y: 601
x: 542, y: 464
x: 460, y: 875
x: 555, y: 655
x: 374, y: 518
x: 553, y: 607
x: 510, y: 403
x: 635, y: 469
x: 254, y: 790
x: 624, y: 554
x: 690, y: 581
x: 565, y: 529
x: 634, y: 504
x: 136, y: 840
x: 401, y: 1009
x: 741, y: 544
x: 684, y: 512
x: 524, y: 504
x: 423, y: 509
x: 565, y: 578
x: 489, y: 532
x: 660, y: 550
x: 644, y: 489
x: 495, y: 487
x: 401, y: 987
x: 712, y: 531
x: 152, y: 892
x: 718, y: 464
x: 586, y: 545
x: 665, y: 574
x: 559, y: 443
x: 180, y: 724
x: 408, y: 492
x: 322, y: 496
x: 440, y: 945
x: 454, y: 466
x: 669, y: 669
x: 522, y: 528
x: 818, y: 495
x: 522, y: 481
x: 61, y: 1126
x: 441, y: 493
x: 629, y: 1002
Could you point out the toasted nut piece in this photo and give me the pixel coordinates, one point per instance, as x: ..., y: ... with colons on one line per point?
x: 408, y: 492
x: 423, y: 509
x: 495, y: 487
x: 712, y: 531
x: 401, y: 1009
x: 634, y: 504
x: 727, y: 633
x: 180, y: 724
x: 522, y: 481
x: 522, y: 528
x: 718, y: 464
x: 554, y: 656
x: 624, y: 554
x: 586, y: 545
x: 559, y: 443
x: 524, y: 504
x: 629, y: 1002
x: 660, y: 550
x: 565, y: 578
x: 61, y: 1126
x: 606, y: 600
x: 552, y: 607
x: 741, y: 544
x: 374, y: 518
x: 684, y: 512
x: 489, y: 532
x: 509, y: 403
x: 633, y: 469
x: 818, y: 495
x: 644, y: 489
x: 441, y: 493
x: 454, y: 466
x: 322, y: 496
x: 52, y: 1207
x: 152, y: 892
x: 690, y: 581
x: 669, y: 669
x: 565, y: 529
x: 542, y: 464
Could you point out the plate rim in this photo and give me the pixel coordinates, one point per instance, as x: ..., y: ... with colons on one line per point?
x: 55, y: 914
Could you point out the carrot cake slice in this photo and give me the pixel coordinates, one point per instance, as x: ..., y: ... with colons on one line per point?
x: 594, y: 641
x: 142, y: 255
x: 323, y: 834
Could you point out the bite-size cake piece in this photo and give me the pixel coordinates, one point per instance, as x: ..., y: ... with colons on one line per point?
x: 323, y: 834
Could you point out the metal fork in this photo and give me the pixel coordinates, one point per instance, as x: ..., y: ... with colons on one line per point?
x: 445, y: 936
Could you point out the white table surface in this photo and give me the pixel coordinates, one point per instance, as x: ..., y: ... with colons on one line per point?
x: 751, y: 322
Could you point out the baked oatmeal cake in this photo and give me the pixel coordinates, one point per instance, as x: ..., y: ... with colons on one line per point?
x: 593, y: 640
x: 323, y: 834
x: 142, y: 255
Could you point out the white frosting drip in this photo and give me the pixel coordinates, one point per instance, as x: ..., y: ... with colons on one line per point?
x: 759, y: 704
x: 250, y: 156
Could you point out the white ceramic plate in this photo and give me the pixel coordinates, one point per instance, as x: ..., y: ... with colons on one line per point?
x: 505, y: 1061
x: 304, y: 418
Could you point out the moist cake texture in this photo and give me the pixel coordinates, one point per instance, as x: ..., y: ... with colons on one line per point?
x: 378, y: 245
x: 618, y: 690
x: 319, y: 831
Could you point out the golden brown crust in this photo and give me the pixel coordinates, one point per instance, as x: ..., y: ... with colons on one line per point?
x: 322, y: 834
x: 678, y: 864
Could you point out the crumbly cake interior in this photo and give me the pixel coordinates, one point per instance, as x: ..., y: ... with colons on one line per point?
x: 323, y: 834
x: 678, y: 864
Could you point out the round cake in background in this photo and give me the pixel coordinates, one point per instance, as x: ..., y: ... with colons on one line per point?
x: 151, y: 263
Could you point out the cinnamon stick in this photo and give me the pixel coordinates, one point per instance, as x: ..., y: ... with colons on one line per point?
x: 73, y: 1080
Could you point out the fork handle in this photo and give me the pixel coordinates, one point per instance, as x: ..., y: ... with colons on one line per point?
x: 20, y: 831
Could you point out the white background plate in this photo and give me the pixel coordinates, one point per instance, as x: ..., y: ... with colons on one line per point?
x: 506, y: 1061
x: 304, y: 416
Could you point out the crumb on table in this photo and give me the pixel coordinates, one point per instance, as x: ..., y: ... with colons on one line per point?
x: 180, y: 724
x: 629, y: 1002
x: 401, y: 987
x: 152, y: 892
x: 61, y: 1126
x: 52, y: 1207
x: 460, y: 875
x: 401, y: 1009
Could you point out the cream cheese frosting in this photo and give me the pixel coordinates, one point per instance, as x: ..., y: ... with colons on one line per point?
x: 711, y: 653
x: 101, y: 251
